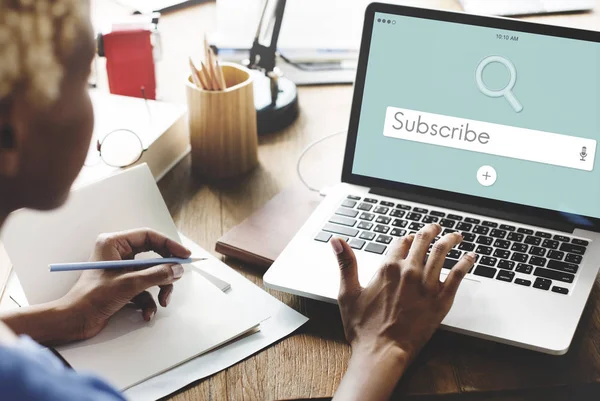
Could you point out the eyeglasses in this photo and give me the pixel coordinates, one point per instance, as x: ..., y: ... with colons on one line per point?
x: 119, y: 148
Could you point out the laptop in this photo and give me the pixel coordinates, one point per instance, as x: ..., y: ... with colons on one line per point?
x: 526, y: 7
x: 487, y: 126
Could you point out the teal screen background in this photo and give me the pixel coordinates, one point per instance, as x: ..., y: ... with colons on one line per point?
x: 429, y: 66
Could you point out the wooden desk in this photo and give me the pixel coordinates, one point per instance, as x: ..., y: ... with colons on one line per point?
x: 311, y: 362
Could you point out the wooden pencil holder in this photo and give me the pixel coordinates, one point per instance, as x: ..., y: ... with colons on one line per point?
x: 223, y: 130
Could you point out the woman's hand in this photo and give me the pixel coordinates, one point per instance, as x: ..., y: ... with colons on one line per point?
x: 388, y: 322
x: 99, y: 294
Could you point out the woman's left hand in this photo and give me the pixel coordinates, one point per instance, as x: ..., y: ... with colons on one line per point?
x: 99, y: 294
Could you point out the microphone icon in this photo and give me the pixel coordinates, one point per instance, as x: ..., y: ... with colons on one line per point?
x: 583, y: 153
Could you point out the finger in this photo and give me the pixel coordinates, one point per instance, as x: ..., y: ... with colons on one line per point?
x: 164, y: 295
x: 398, y: 249
x: 145, y: 302
x: 130, y: 243
x: 437, y: 256
x: 349, y: 283
x: 421, y: 243
x: 138, y: 281
x: 456, y: 275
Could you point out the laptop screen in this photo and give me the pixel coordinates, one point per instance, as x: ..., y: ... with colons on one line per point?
x: 493, y: 113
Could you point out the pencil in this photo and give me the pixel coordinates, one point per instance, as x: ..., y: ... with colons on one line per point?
x: 220, y: 75
x: 120, y: 264
x: 195, y: 75
x: 212, y: 70
x: 206, y: 74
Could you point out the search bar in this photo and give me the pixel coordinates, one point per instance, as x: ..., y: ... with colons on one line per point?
x: 494, y: 139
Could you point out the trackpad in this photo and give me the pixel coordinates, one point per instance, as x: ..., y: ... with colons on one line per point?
x: 462, y: 309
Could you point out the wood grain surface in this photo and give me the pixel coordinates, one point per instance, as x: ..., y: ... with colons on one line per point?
x: 310, y: 364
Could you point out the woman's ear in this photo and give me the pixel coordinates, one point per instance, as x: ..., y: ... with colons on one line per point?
x: 9, y: 155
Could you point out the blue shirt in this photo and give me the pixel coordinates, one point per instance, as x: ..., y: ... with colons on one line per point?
x: 29, y: 372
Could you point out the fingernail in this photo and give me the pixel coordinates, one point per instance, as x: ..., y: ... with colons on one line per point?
x: 177, y: 271
x: 337, y: 246
x: 472, y: 255
x: 152, y: 315
x: 168, y: 298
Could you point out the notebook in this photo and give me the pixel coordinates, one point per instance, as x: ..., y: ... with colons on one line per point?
x: 128, y: 351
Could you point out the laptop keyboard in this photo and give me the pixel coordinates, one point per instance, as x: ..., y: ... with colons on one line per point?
x: 506, y: 252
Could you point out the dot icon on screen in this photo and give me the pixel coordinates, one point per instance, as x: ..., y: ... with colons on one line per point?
x: 389, y: 21
x: 378, y: 19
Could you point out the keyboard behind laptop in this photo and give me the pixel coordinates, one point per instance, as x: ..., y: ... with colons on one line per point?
x: 506, y: 252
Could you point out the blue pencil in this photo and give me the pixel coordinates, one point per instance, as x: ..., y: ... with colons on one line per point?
x: 120, y: 264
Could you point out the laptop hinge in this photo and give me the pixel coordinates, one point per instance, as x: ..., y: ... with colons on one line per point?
x: 498, y: 214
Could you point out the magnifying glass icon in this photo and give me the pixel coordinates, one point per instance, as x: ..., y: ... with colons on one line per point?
x: 507, y: 90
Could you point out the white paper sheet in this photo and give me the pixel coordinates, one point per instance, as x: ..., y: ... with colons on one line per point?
x: 284, y: 321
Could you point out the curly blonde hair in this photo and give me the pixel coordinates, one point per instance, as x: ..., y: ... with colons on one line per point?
x: 36, y: 37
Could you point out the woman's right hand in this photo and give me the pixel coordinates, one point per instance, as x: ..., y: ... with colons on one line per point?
x: 388, y: 322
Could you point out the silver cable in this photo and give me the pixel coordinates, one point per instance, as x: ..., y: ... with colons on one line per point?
x: 305, y: 151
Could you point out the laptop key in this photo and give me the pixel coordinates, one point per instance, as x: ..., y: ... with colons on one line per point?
x: 398, y: 232
x: 500, y: 243
x: 537, y: 251
x: 343, y: 211
x: 489, y: 224
x: 403, y: 207
x: 336, y: 229
x: 414, y: 216
x: 543, y: 234
x: 519, y: 257
x: 542, y: 283
x: 365, y: 206
x: 468, y: 237
x: 369, y: 236
x: 365, y: 225
x: 507, y: 227
x: 449, y: 263
x: 454, y: 254
x: 481, y: 230
x: 462, y: 226
x: 353, y: 197
x: 323, y: 237
x: 488, y: 261
x: 420, y: 210
x: 430, y: 219
x: 448, y: 231
x: 381, y: 210
x: 397, y: 213
x: 349, y: 203
x: 483, y: 250
x: 367, y: 216
x: 466, y: 246
x: 416, y: 226
x: 524, y: 231
x: 485, y: 271
x: 437, y: 213
x: 383, y: 220
x: 521, y: 281
x: 558, y: 255
x: 400, y: 223
x: 344, y: 221
x: 524, y: 268
x: 515, y: 237
x: 496, y: 233
x: 386, y: 203
x: 563, y: 266
x: 573, y: 258
x: 531, y: 240
x: 548, y: 243
x: 472, y: 220
x: 375, y: 248
x: 560, y: 290
x: 537, y: 261
x: 506, y: 264
x: 519, y: 248
x: 371, y: 200
x: 571, y: 248
x: 380, y: 228
x: 447, y: 223
x: 356, y: 243
x: 505, y: 275
x: 561, y: 238
x: 482, y: 239
x: 554, y: 275
x: 384, y: 239
x: 454, y: 217
x: 501, y: 253
x: 580, y: 242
